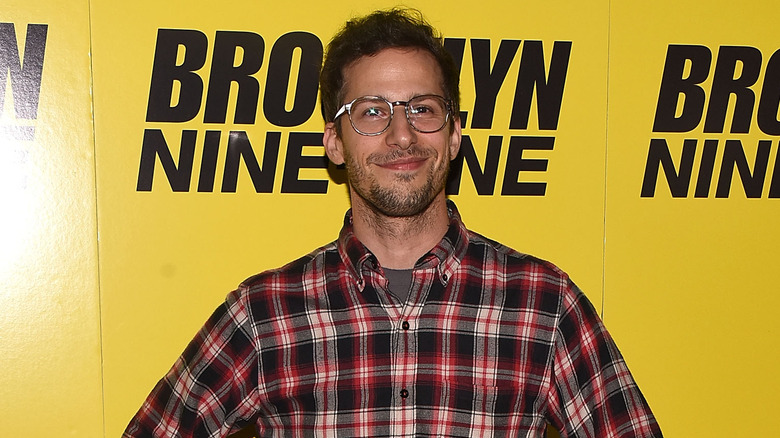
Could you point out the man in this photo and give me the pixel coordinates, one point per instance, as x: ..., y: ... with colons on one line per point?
x: 409, y: 324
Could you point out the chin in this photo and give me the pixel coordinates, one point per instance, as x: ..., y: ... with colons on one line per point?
x: 390, y: 202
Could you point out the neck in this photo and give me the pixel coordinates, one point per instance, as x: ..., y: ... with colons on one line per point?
x: 398, y: 242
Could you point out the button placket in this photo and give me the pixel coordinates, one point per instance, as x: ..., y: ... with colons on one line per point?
x: 406, y: 340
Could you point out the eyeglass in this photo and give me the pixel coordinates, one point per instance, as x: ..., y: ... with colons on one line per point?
x: 371, y: 115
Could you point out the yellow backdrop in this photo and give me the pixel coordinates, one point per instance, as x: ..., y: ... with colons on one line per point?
x: 153, y: 184
x: 50, y: 350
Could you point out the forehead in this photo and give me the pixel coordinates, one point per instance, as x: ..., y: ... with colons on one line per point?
x: 395, y: 74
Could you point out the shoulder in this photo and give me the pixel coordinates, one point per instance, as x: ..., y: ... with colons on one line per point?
x: 522, y: 282
x: 489, y: 250
x: 292, y: 272
x: 287, y: 291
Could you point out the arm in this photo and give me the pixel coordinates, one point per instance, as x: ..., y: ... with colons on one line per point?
x: 211, y: 390
x: 593, y: 393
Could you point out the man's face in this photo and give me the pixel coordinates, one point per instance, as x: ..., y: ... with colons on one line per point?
x: 401, y: 171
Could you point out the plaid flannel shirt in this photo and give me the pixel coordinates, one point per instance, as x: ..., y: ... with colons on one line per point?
x: 490, y: 342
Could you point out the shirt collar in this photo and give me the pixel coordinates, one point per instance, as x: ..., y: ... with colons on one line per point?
x: 445, y: 257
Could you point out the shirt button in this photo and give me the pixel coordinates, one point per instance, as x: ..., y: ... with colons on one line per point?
x: 405, y: 325
x: 444, y: 277
x: 404, y: 393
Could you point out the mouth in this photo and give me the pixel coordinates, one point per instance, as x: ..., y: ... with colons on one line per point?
x: 404, y: 164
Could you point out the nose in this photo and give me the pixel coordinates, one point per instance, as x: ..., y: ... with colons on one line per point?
x: 400, y: 133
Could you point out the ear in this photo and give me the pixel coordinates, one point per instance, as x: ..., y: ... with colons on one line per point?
x: 334, y: 148
x: 455, y: 137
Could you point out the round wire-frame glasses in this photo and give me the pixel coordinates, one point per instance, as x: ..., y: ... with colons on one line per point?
x: 372, y: 115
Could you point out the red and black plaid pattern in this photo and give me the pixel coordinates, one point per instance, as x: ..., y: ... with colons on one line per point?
x: 490, y: 342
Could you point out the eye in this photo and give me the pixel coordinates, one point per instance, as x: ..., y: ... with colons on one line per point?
x: 373, y: 111
x: 421, y: 110
x: 427, y: 107
x: 370, y: 109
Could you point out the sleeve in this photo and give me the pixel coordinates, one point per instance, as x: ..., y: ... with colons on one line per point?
x: 593, y: 393
x: 211, y: 390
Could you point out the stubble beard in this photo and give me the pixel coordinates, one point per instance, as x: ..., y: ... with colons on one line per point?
x: 397, y: 198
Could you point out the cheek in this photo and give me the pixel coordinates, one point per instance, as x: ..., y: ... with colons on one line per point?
x: 355, y: 171
x: 448, y: 151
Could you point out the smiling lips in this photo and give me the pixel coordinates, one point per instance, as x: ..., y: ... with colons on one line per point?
x: 404, y: 164
x: 401, y: 161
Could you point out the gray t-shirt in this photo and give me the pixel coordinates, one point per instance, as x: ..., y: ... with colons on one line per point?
x: 399, y: 282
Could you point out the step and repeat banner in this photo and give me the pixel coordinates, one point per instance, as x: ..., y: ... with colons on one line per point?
x: 155, y: 154
x: 50, y: 382
x: 693, y: 188
x: 210, y: 164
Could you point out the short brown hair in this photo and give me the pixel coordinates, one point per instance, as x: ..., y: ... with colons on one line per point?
x: 367, y: 36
